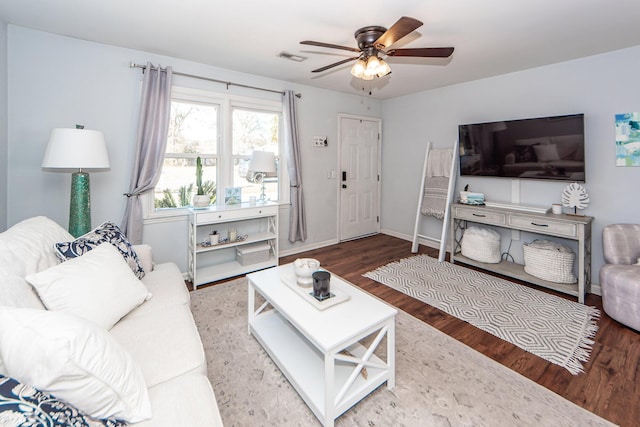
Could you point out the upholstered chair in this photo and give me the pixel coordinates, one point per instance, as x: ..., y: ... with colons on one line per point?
x: 620, y: 276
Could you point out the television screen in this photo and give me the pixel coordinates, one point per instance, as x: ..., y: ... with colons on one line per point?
x: 549, y: 148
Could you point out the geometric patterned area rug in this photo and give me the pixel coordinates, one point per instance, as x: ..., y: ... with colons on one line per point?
x: 555, y: 329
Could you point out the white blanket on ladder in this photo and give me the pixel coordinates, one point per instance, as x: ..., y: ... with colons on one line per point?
x: 439, y: 162
x: 436, y: 183
x: 434, y: 200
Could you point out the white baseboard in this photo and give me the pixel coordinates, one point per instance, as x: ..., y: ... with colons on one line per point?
x: 425, y: 242
x: 299, y: 249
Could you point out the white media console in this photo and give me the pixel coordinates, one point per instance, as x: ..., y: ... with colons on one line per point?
x: 572, y: 227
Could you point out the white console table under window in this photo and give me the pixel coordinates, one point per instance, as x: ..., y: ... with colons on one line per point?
x: 571, y: 227
x: 253, y: 224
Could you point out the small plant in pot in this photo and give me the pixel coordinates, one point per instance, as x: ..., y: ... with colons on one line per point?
x: 200, y: 199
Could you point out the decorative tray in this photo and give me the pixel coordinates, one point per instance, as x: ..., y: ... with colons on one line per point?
x: 290, y: 279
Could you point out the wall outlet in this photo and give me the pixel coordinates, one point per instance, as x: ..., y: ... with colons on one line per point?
x: 320, y: 141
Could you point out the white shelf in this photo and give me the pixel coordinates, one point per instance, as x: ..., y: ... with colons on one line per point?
x: 303, y: 364
x: 258, y: 237
x: 516, y: 271
x: 216, y: 272
x: 212, y: 263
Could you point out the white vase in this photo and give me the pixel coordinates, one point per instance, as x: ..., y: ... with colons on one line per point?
x: 201, y: 201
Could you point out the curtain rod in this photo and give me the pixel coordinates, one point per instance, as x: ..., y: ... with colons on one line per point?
x: 144, y: 67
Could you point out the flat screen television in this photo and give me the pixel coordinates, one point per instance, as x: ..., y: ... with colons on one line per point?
x: 550, y: 148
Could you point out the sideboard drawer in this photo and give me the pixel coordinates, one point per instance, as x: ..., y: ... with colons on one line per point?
x: 234, y: 214
x: 480, y: 215
x: 544, y: 225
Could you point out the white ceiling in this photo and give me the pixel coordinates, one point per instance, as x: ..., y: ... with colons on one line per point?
x: 490, y: 38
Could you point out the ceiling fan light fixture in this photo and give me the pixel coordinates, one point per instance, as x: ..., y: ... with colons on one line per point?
x: 383, y: 69
x: 373, y: 63
x: 358, y: 68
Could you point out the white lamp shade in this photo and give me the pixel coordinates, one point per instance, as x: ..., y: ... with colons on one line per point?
x: 262, y: 161
x: 76, y: 149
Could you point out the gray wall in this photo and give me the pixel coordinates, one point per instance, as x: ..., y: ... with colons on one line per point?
x: 3, y: 125
x: 598, y: 86
x: 56, y: 81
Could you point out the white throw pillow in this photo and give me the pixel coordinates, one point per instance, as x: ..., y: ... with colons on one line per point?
x: 74, y: 360
x: 98, y: 286
x: 546, y: 153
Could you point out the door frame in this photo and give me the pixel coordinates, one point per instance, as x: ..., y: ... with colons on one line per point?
x: 339, y: 179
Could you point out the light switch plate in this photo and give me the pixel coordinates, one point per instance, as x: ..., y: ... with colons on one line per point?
x: 319, y: 141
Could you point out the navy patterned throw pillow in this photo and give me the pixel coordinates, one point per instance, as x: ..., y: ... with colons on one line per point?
x: 525, y: 154
x: 107, y: 232
x: 22, y: 405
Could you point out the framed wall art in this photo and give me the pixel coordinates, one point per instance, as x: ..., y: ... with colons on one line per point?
x: 628, y: 139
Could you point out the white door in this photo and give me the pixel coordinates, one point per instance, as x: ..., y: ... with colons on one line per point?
x: 359, y: 177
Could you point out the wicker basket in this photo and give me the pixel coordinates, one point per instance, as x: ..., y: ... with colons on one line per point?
x: 549, y: 261
x: 481, y: 244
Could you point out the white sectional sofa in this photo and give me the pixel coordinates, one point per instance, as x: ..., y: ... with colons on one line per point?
x: 159, y: 334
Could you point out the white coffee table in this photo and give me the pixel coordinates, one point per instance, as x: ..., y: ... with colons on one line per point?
x: 309, y: 344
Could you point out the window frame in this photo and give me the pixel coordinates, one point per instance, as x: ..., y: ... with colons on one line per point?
x: 224, y: 157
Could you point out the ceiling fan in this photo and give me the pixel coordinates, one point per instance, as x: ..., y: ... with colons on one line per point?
x: 374, y: 41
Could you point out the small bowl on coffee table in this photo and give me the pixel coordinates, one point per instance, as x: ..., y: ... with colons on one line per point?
x: 304, y: 269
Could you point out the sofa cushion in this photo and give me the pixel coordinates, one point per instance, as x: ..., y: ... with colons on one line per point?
x: 74, y: 360
x: 98, y: 286
x: 167, y: 286
x: 165, y: 343
x: 24, y: 405
x: 16, y: 292
x: 105, y: 232
x: 187, y: 400
x: 27, y: 247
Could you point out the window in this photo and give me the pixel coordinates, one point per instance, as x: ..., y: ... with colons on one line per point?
x: 223, y: 131
x: 254, y: 130
x: 193, y: 132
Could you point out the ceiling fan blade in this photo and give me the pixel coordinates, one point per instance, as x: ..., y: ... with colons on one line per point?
x: 425, y: 52
x: 332, y: 46
x: 335, y: 64
x: 401, y: 28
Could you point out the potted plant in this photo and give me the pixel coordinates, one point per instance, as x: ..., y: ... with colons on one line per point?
x: 200, y: 199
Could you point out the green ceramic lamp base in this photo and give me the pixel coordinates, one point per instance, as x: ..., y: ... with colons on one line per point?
x: 80, y: 206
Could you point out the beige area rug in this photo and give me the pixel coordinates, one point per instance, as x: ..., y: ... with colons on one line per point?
x: 556, y: 329
x: 439, y: 381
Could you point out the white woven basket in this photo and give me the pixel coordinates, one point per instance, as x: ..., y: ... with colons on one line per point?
x: 549, y: 261
x: 481, y: 244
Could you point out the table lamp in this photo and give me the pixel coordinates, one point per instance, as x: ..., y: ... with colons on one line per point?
x: 262, y: 163
x: 77, y: 149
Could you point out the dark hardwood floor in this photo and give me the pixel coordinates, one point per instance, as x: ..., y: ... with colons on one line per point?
x: 609, y: 387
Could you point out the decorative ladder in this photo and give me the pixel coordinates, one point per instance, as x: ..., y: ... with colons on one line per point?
x: 445, y: 221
